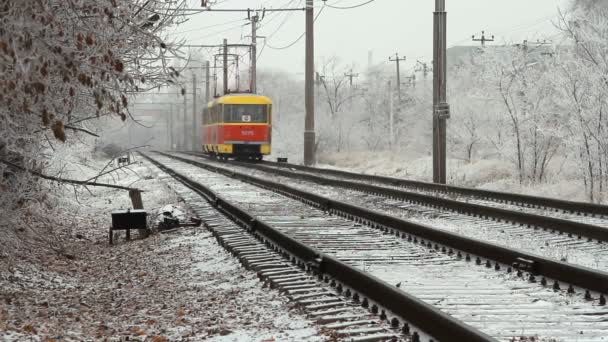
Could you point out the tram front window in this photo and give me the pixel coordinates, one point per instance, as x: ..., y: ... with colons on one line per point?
x: 245, y: 113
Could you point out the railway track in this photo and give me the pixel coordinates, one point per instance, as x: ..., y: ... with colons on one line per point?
x: 337, y: 314
x: 541, y: 241
x: 583, y: 212
x: 578, y: 219
x: 500, y: 304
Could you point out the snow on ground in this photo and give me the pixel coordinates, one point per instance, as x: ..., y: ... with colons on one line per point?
x: 491, y: 174
x: 178, y: 285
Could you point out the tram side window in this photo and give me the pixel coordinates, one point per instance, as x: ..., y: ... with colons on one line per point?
x: 214, y: 114
x: 245, y: 113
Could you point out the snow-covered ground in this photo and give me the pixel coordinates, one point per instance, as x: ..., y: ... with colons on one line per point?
x: 492, y: 174
x: 172, y: 286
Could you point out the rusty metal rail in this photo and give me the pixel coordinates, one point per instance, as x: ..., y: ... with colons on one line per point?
x: 560, y: 271
x: 426, y: 317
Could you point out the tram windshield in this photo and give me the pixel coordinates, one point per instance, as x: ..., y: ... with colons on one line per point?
x: 245, y: 113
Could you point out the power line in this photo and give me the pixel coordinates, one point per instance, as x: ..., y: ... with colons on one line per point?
x: 206, y: 27
x: 299, y: 38
x: 246, y: 10
x: 349, y: 7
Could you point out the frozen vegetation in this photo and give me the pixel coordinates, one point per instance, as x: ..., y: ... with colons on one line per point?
x: 528, y: 117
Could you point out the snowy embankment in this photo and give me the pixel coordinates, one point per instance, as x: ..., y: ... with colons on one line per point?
x: 171, y: 286
x: 491, y: 174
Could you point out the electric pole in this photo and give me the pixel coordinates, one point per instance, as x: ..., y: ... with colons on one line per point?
x: 350, y: 76
x: 254, y: 57
x: 441, y: 109
x: 171, y: 123
x: 423, y: 67
x: 185, y: 140
x: 207, y: 80
x: 411, y: 80
x: 391, y: 114
x: 194, y: 121
x: 309, y: 123
x: 397, y: 60
x: 225, y: 66
x: 483, y: 39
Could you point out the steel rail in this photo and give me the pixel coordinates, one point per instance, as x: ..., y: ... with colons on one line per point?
x: 521, y: 199
x: 562, y: 225
x: 584, y: 277
x: 421, y: 314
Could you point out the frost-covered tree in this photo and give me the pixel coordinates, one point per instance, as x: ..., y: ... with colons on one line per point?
x: 62, y: 64
x: 583, y: 84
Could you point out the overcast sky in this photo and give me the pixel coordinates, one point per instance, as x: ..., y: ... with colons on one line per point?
x: 383, y: 27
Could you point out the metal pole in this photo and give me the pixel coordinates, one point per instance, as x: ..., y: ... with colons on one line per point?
x: 225, y: 66
x: 398, y: 79
x: 440, y: 106
x: 168, y: 129
x: 184, y: 121
x: 171, y: 126
x: 207, y: 85
x: 254, y: 49
x: 309, y: 123
x: 391, y: 116
x: 194, y: 121
x: 397, y: 60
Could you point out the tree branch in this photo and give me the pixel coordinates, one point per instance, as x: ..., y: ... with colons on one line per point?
x: 64, y: 180
x: 81, y: 130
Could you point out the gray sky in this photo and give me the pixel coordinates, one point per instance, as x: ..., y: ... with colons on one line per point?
x: 383, y: 26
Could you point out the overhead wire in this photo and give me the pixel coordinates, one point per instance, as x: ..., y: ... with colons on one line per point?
x: 207, y: 27
x: 349, y: 7
x: 299, y: 38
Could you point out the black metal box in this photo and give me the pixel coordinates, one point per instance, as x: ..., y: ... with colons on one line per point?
x: 129, y: 219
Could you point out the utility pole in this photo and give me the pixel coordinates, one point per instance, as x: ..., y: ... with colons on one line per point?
x: 483, y: 39
x: 195, y: 127
x: 441, y: 109
x: 397, y: 60
x: 184, y: 121
x: 391, y: 118
x: 411, y: 80
x: 423, y: 67
x: 207, y: 85
x: 309, y: 94
x: 171, y: 124
x: 254, y: 52
x: 225, y: 66
x: 350, y: 76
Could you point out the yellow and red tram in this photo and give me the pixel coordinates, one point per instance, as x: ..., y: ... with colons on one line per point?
x: 238, y: 126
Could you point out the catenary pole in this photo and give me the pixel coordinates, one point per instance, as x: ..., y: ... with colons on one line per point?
x: 309, y: 123
x: 184, y: 122
x: 225, y: 66
x: 254, y: 57
x: 397, y: 59
x: 194, y: 116
x: 207, y: 83
x: 440, y: 105
x: 171, y: 125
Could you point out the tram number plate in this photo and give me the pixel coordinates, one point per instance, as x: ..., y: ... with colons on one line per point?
x: 246, y: 118
x: 247, y: 132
